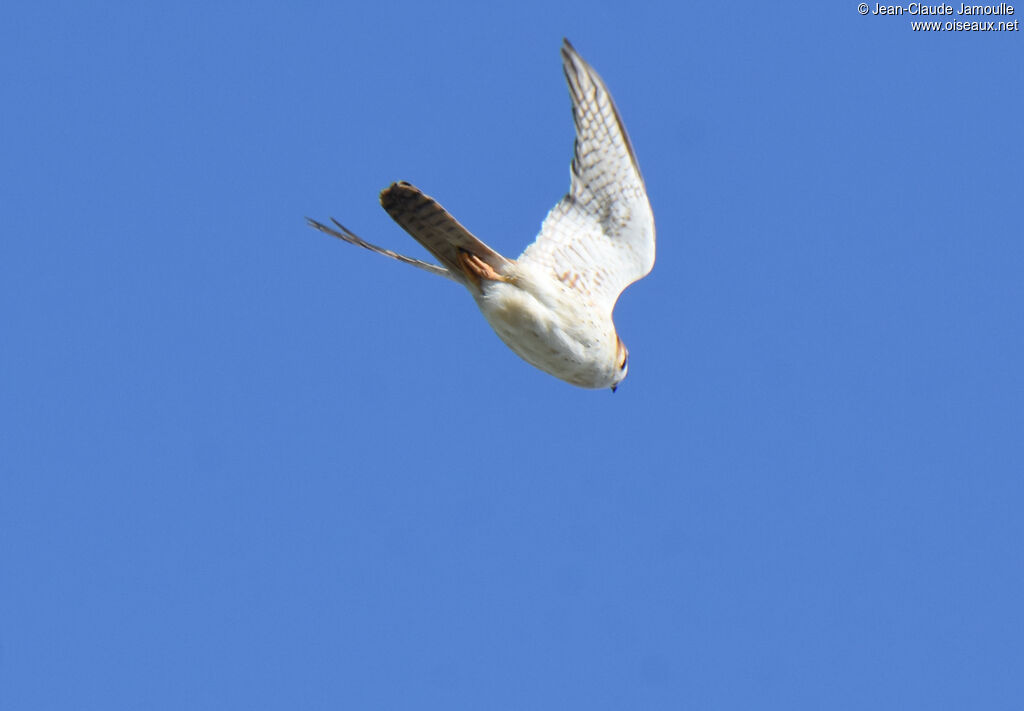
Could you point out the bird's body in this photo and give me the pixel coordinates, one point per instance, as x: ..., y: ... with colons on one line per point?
x: 544, y: 322
x: 553, y: 305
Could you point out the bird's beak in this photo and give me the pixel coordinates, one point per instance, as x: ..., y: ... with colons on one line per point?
x: 615, y: 387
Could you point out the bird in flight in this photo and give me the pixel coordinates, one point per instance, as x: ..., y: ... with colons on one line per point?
x: 553, y: 305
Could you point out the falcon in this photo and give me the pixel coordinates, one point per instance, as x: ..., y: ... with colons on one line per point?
x: 553, y: 305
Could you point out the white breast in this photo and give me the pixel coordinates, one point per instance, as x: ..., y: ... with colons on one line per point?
x: 550, y: 327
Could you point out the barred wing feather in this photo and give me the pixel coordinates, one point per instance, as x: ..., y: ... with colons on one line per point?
x: 599, y: 238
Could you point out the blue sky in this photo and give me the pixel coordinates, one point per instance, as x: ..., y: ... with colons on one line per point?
x: 248, y: 466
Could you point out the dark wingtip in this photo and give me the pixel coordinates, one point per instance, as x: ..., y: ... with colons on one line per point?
x: 341, y: 226
x: 567, y: 50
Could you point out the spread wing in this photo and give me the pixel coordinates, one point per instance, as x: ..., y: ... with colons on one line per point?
x: 599, y: 238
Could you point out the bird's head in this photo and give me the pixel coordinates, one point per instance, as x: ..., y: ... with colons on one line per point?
x: 621, y: 363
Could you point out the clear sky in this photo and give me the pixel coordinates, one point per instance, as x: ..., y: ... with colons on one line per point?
x: 246, y: 466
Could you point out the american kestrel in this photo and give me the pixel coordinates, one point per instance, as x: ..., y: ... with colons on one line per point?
x: 553, y: 305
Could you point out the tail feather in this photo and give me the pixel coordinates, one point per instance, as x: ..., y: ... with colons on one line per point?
x: 433, y: 227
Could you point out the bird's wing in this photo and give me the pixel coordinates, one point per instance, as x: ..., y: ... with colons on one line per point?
x: 433, y: 227
x: 599, y: 238
x: 343, y: 233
